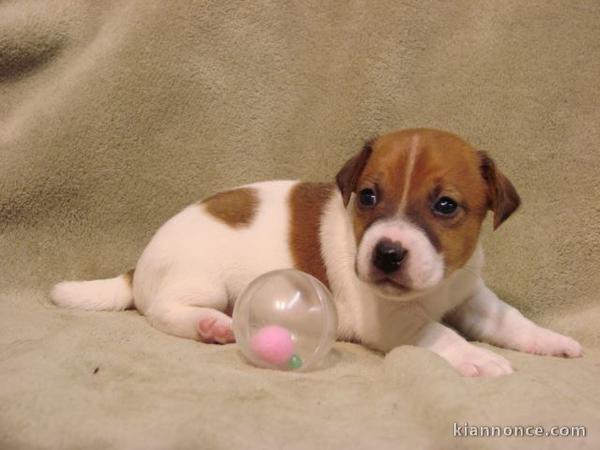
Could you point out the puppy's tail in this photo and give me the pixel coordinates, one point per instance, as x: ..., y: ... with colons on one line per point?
x: 111, y: 294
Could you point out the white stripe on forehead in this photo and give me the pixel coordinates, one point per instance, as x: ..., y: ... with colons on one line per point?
x: 410, y: 165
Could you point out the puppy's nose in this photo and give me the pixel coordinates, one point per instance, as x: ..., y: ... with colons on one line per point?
x: 388, y: 256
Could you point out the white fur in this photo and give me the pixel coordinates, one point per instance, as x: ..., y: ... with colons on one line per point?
x: 410, y: 166
x: 366, y: 313
x: 195, y: 266
x: 112, y: 294
x: 197, y: 261
x: 424, y: 267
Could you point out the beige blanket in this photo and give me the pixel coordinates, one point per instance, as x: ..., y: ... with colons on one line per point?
x: 116, y: 114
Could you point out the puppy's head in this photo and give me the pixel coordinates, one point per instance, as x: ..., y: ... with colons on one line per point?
x: 417, y: 200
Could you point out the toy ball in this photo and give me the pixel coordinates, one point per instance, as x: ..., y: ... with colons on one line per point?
x: 285, y: 320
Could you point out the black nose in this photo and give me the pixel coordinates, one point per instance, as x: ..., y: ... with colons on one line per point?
x: 388, y: 256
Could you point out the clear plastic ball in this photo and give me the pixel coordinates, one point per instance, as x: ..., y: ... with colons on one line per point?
x: 285, y: 320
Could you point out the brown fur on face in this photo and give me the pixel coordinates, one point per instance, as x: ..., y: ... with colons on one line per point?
x: 236, y: 207
x: 307, y: 201
x: 411, y: 169
x: 347, y: 177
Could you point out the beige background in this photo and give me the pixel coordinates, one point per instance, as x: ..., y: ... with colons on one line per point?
x: 114, y: 115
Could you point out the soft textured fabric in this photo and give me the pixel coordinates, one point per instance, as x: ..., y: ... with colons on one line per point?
x: 114, y: 115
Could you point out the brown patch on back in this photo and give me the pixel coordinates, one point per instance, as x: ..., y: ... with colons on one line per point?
x: 236, y: 207
x: 307, y: 201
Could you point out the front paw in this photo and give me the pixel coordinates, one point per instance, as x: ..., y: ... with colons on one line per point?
x: 546, y: 342
x: 472, y: 361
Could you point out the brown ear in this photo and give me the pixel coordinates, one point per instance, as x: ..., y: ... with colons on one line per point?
x: 503, y: 198
x: 347, y: 177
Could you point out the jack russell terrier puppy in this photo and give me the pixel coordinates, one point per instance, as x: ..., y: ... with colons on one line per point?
x: 396, y: 239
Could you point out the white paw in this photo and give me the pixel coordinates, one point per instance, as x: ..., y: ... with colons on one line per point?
x: 472, y: 361
x: 546, y: 342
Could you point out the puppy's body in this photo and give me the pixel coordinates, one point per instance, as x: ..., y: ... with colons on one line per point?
x: 395, y: 270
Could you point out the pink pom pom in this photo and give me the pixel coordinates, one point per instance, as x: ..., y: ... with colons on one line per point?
x: 273, y: 344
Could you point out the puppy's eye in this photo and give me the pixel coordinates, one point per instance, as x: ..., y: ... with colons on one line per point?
x: 367, y: 198
x: 445, y: 206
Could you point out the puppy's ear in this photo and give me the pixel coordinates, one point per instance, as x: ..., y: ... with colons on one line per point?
x: 347, y: 177
x: 503, y: 198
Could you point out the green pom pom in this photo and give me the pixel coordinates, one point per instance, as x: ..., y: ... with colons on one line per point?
x: 295, y: 362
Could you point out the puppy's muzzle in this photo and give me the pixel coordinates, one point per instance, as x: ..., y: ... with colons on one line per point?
x: 388, y: 256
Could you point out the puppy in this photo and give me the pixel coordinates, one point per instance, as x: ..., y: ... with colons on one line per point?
x: 396, y: 239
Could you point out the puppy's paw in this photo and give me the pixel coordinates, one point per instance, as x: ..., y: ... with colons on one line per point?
x: 214, y: 330
x: 472, y: 361
x: 545, y: 342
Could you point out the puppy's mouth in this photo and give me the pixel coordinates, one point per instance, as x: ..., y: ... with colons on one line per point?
x: 388, y: 287
x: 392, y: 288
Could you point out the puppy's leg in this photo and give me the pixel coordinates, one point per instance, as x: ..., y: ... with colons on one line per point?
x: 192, y: 308
x: 468, y: 359
x: 419, y: 329
x: 487, y: 318
x: 193, y: 322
